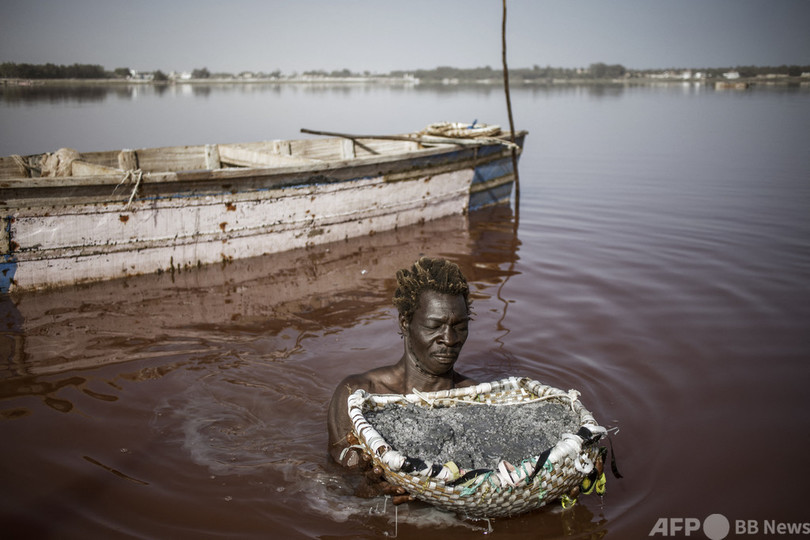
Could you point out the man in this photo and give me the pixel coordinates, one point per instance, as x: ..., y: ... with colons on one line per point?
x: 433, y: 301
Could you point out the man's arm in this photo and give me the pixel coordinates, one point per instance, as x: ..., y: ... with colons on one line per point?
x: 339, y: 424
x: 340, y: 435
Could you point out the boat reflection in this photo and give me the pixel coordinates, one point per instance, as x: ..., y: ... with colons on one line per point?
x: 328, y: 286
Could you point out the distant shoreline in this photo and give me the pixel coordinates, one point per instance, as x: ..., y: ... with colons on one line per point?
x: 208, y: 81
x: 349, y: 81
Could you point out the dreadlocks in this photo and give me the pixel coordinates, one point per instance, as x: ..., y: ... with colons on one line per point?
x: 439, y: 275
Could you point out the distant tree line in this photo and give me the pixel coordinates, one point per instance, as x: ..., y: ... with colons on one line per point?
x: 446, y: 72
x: 10, y: 70
x: 596, y: 71
x: 535, y: 73
x: 338, y: 73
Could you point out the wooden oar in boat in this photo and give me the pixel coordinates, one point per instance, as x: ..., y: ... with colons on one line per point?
x: 422, y: 139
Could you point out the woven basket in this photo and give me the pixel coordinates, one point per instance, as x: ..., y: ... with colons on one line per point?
x: 536, y: 481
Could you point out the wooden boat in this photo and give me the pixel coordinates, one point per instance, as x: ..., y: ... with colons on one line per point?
x: 122, y: 213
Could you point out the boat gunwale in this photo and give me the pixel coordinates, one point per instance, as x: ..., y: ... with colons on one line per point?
x: 235, y: 173
x: 215, y: 182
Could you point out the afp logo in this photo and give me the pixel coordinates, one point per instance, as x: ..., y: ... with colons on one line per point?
x: 715, y: 527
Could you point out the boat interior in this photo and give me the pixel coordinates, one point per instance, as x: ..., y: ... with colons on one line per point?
x: 268, y: 154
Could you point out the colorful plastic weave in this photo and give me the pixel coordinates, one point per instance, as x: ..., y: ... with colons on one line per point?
x: 505, y: 491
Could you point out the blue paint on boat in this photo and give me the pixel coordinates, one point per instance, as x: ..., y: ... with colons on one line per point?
x: 492, y: 170
x: 8, y: 262
x: 498, y: 195
x: 499, y: 168
x: 7, y: 270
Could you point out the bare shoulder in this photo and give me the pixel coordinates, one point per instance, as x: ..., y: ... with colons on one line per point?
x: 346, y: 387
x: 381, y: 380
x: 353, y: 382
x: 369, y: 381
x: 375, y: 381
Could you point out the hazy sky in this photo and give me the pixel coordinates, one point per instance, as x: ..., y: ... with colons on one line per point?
x: 386, y: 35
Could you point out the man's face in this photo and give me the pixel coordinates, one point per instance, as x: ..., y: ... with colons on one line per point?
x: 437, y: 331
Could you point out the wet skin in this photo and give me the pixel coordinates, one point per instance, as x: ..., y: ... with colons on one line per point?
x: 436, y: 333
x: 433, y: 339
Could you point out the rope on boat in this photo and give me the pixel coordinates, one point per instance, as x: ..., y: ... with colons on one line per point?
x: 129, y: 175
x: 475, y: 132
x: 463, y: 131
x: 22, y: 165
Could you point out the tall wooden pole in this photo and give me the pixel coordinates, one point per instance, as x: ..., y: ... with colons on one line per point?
x: 509, y: 108
x: 517, y: 180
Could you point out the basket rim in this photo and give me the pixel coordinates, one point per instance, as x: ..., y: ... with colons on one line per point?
x: 396, y: 465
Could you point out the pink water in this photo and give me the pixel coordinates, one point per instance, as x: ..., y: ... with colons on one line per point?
x: 660, y: 265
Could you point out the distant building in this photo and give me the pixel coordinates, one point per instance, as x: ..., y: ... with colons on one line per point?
x: 137, y: 76
x: 182, y: 76
x: 732, y: 75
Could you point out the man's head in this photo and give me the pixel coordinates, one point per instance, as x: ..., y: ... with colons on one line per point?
x: 427, y: 273
x: 434, y: 312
